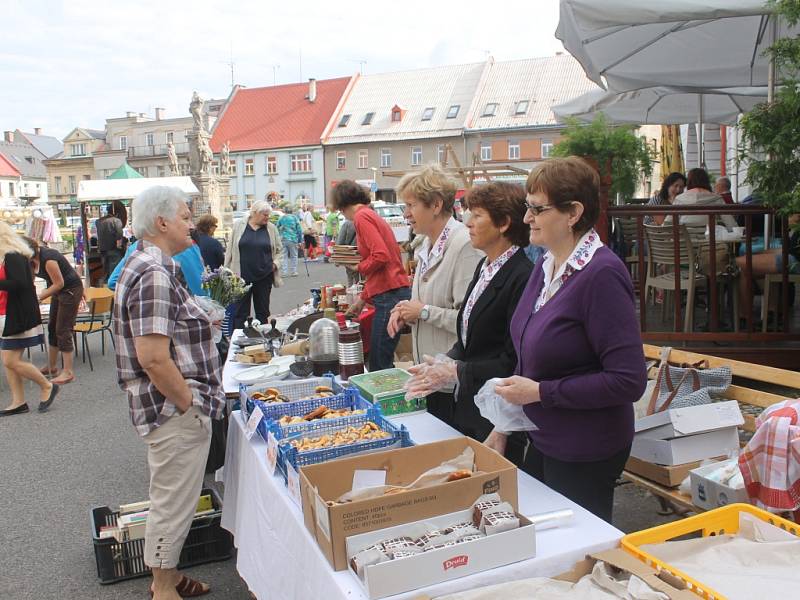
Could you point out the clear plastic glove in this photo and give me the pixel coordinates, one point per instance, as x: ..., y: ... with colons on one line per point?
x: 434, y: 374
x: 504, y: 415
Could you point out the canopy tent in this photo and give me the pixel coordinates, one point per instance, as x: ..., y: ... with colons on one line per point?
x: 125, y: 171
x: 628, y: 44
x: 664, y: 105
x: 100, y: 191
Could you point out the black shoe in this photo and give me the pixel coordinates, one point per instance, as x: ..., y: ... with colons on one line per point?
x: 21, y: 409
x: 43, y: 406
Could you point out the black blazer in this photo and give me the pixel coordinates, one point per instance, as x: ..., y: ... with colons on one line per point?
x: 489, y: 351
x: 22, y: 305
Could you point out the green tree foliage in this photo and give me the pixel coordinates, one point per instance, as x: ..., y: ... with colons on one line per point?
x: 629, y: 156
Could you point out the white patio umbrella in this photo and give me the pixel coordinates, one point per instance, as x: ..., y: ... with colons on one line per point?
x: 629, y: 44
x: 664, y: 105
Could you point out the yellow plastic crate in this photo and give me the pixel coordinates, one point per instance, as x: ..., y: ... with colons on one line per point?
x: 714, y: 522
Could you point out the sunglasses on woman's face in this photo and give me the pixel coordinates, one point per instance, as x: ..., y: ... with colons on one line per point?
x: 537, y: 209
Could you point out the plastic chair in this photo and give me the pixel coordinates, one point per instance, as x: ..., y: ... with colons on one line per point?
x: 101, y: 303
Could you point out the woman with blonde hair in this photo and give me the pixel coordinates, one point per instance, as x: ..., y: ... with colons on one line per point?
x: 20, y: 322
x: 446, y: 262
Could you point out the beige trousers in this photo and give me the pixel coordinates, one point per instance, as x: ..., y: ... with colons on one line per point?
x: 176, y: 453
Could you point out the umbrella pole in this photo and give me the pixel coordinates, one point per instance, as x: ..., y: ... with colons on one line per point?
x: 701, y: 159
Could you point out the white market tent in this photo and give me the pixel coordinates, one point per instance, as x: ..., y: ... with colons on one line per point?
x: 629, y: 44
x: 107, y: 190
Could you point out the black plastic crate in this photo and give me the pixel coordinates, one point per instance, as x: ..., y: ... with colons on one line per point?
x: 117, y: 561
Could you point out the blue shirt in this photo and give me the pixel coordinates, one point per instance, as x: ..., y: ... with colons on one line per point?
x: 289, y: 228
x: 190, y: 261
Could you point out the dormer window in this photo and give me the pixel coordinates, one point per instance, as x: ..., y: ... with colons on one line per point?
x: 490, y: 110
x: 344, y: 121
x: 368, y: 118
x: 427, y: 114
x: 397, y: 114
x: 522, y: 107
x: 452, y: 113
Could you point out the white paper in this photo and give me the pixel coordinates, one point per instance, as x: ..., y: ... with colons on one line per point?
x: 293, y: 484
x: 252, y: 423
x: 272, y: 452
x: 364, y: 478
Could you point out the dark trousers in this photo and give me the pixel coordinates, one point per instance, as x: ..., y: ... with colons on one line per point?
x: 110, y: 258
x: 381, y: 345
x: 590, y: 484
x: 260, y: 292
x: 63, y: 311
x: 442, y: 405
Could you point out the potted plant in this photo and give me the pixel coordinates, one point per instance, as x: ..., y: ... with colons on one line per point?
x: 618, y: 155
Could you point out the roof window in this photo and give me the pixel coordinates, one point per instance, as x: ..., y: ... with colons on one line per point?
x: 522, y: 107
x: 344, y: 121
x: 368, y: 118
x: 427, y: 114
x: 490, y: 110
x: 452, y: 113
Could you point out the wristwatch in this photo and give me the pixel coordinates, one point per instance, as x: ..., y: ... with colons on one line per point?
x: 425, y: 313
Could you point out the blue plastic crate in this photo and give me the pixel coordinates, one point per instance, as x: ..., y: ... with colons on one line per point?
x: 294, y: 389
x: 287, y: 453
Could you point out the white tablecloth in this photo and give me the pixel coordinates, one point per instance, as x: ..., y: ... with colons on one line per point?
x: 279, y: 559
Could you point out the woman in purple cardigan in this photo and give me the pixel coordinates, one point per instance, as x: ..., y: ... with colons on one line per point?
x: 580, y: 360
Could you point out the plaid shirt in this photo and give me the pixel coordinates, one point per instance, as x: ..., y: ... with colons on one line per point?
x: 151, y: 298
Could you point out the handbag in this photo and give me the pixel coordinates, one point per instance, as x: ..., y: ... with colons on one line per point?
x: 688, y: 385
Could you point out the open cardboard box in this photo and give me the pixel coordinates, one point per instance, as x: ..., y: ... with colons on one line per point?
x: 710, y: 494
x: 666, y: 475
x: 680, y: 450
x: 679, y: 422
x: 330, y: 525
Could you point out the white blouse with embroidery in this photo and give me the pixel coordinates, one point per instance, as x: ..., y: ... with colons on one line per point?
x: 580, y: 257
x: 427, y: 253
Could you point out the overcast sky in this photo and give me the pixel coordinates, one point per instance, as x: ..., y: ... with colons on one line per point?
x: 77, y: 62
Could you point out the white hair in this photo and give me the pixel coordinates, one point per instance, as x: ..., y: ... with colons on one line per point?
x: 157, y: 201
x: 260, y: 206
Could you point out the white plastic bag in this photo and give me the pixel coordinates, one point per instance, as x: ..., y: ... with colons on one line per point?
x: 215, y: 312
x: 506, y: 417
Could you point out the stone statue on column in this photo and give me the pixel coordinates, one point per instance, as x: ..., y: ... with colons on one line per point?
x: 173, y: 159
x: 205, y: 155
x: 196, y: 110
x: 225, y: 163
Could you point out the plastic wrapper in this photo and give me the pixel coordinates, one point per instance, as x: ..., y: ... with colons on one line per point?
x: 215, y: 311
x: 434, y: 374
x: 502, y: 414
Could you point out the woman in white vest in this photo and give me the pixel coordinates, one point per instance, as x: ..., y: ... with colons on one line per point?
x: 446, y: 262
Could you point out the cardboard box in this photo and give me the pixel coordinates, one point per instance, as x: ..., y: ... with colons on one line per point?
x: 686, y: 449
x: 436, y: 566
x: 678, y: 422
x: 666, y: 475
x: 403, y: 352
x: 330, y: 525
x: 710, y: 494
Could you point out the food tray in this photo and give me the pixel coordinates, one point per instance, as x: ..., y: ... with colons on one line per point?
x: 348, y: 399
x: 292, y: 389
x: 118, y: 561
x: 714, y: 522
x: 399, y: 436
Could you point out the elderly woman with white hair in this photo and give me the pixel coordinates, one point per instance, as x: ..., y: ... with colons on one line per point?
x: 255, y: 252
x: 168, y: 365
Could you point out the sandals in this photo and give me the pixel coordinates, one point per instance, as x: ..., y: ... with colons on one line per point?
x: 188, y: 588
x: 64, y: 381
x: 48, y: 372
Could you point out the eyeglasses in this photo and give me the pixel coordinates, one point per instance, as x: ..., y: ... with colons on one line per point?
x: 537, y: 209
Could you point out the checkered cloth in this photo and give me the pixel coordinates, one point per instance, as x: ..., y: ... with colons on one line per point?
x: 770, y: 463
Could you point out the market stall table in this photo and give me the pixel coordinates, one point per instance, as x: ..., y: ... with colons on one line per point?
x: 278, y: 557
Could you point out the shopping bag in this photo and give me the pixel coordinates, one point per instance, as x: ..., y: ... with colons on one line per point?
x: 506, y: 417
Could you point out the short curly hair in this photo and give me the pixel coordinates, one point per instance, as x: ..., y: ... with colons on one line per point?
x: 568, y: 180
x: 348, y: 193
x: 206, y: 223
x: 505, y: 203
x: 428, y: 185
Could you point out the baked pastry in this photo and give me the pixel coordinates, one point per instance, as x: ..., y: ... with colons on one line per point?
x: 456, y: 475
x: 316, y: 413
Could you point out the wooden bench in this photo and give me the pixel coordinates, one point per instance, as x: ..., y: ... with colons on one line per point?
x: 751, y: 401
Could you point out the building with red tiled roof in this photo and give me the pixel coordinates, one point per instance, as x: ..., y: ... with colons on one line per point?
x: 9, y: 179
x: 274, y: 134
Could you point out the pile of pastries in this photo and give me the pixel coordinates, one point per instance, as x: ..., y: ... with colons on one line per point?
x: 350, y: 435
x: 274, y: 396
x: 321, y: 412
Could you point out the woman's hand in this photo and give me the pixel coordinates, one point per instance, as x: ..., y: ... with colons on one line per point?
x: 518, y: 390
x: 395, y: 324
x: 430, y: 376
x: 497, y: 442
x: 355, y: 309
x: 409, y: 310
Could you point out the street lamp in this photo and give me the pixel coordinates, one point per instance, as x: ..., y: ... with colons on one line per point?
x: 374, y: 188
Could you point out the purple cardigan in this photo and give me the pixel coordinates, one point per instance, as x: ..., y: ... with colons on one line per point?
x: 585, y: 350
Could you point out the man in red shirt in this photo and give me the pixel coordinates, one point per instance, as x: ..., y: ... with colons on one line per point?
x: 386, y: 280
x: 723, y: 187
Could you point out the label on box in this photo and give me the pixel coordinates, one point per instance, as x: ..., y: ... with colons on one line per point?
x: 323, y: 521
x: 293, y: 484
x: 363, y: 478
x: 252, y: 423
x: 243, y: 402
x: 272, y: 452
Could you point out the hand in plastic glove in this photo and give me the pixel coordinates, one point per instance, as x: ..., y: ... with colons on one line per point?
x: 497, y: 441
x: 518, y: 390
x: 432, y: 375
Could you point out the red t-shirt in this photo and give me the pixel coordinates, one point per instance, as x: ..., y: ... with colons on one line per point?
x: 380, y: 254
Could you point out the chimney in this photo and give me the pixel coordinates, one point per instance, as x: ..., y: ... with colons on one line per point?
x: 159, y: 113
x: 130, y: 114
x: 37, y: 131
x: 9, y: 136
x: 312, y: 90
x: 143, y: 115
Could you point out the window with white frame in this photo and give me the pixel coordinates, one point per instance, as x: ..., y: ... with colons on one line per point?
x: 150, y: 139
x: 427, y: 114
x: 368, y: 118
x: 547, y: 148
x: 344, y: 120
x: 452, y: 113
x: 58, y: 184
x: 78, y: 149
x: 363, y: 159
x: 440, y: 153
x: 249, y: 166
x: 272, y: 165
x: 301, y: 163
x: 522, y: 107
x: 386, y: 157
x: 486, y: 152
x: 513, y: 150
x: 123, y: 142
x: 341, y: 160
x: 170, y: 137
x: 490, y: 109
x: 71, y: 184
x: 416, y: 156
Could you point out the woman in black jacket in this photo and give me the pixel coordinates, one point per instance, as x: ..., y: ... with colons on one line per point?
x: 484, y: 349
x: 21, y: 322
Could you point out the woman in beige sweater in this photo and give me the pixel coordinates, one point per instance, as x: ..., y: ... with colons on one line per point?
x: 446, y: 262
